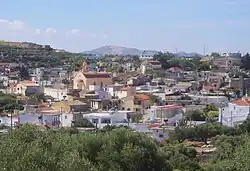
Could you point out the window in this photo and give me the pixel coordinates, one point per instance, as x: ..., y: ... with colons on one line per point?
x: 160, y: 135
x: 106, y: 120
x: 95, y: 121
x: 65, y: 117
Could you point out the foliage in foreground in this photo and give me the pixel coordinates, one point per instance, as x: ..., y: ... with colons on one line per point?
x: 117, y: 149
x: 120, y: 149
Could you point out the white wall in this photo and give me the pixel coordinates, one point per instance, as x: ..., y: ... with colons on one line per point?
x: 66, y: 119
x: 233, y: 114
x: 56, y: 93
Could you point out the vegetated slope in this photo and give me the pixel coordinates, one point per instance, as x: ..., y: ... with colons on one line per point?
x: 9, y: 50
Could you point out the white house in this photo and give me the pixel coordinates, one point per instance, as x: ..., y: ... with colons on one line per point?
x: 147, y: 55
x: 58, y: 94
x: 150, y: 65
x: 4, y: 79
x: 235, y: 113
x: 102, y: 92
x: 126, y: 91
x: 170, y: 112
x: 109, y: 118
x: 113, y: 89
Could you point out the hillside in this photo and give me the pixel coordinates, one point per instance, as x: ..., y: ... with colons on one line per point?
x: 15, y: 50
x: 116, y: 50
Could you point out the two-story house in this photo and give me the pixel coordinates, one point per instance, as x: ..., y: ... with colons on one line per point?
x: 137, y: 103
x: 235, y: 113
x: 150, y: 65
x: 125, y: 92
x: 27, y: 88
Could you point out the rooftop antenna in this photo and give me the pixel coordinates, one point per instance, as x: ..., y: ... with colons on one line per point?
x: 204, y: 50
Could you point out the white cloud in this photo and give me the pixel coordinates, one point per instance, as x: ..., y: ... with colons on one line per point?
x: 16, y: 30
x: 12, y: 25
x: 50, y: 30
x: 75, y: 31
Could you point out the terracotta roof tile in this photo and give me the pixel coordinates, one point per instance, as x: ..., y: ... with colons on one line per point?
x: 28, y: 83
x: 154, y: 62
x: 142, y: 96
x: 175, y: 69
x: 125, y: 88
x: 242, y: 102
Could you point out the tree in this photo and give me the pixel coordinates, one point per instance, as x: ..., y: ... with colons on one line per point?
x: 226, y: 146
x: 246, y: 62
x: 236, y: 161
x: 29, y: 148
x: 245, y: 126
x: 6, y: 99
x: 204, y: 67
x: 212, y: 115
x: 153, y: 99
x: 12, y: 107
x: 215, y: 55
x: 83, y: 123
x: 181, y: 157
x: 39, y: 96
x: 163, y: 58
x: 206, y: 131
x: 208, y: 108
x: 24, y: 73
x: 195, y: 115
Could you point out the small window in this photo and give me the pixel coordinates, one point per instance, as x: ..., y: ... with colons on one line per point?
x: 94, y: 120
x: 105, y: 120
x: 65, y: 117
x: 160, y: 135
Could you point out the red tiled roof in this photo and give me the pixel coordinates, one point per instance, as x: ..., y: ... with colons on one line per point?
x: 175, y: 69
x: 210, y: 87
x: 97, y: 75
x: 28, y: 83
x: 154, y: 62
x: 154, y: 125
x: 242, y: 102
x: 125, y: 88
x: 142, y: 96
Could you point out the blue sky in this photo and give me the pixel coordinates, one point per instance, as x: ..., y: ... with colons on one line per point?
x: 79, y: 25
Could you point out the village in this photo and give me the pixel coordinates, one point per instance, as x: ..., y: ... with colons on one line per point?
x: 146, y: 95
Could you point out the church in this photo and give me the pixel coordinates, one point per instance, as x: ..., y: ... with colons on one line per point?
x: 84, y: 78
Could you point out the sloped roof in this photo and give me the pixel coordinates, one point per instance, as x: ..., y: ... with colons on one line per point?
x: 97, y: 75
x: 142, y: 96
x: 242, y: 102
x: 175, y: 69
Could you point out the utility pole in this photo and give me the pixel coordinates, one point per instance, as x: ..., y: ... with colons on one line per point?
x: 11, y: 120
x: 61, y: 115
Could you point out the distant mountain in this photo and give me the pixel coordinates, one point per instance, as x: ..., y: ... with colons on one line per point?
x: 119, y: 50
x: 188, y: 55
x: 116, y: 50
